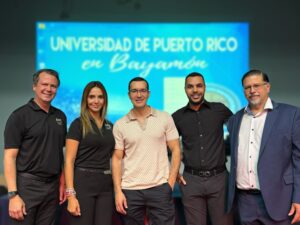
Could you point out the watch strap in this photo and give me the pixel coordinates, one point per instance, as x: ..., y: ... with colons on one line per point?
x: 12, y: 194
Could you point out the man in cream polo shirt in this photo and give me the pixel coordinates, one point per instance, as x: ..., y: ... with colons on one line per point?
x: 143, y: 178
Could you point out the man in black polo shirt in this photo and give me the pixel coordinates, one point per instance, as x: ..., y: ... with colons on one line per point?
x: 34, y: 138
x: 200, y: 125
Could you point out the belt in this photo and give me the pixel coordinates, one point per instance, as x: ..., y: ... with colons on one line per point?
x: 250, y: 191
x: 93, y: 170
x: 38, y: 178
x: 204, y: 173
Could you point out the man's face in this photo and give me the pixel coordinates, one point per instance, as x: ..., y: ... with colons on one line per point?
x: 195, y: 90
x: 139, y: 94
x: 45, y: 89
x: 256, y: 90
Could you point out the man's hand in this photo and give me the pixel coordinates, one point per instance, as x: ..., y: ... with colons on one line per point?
x: 16, y: 208
x: 171, y: 184
x: 295, y: 210
x: 62, y: 195
x: 180, y: 179
x: 121, y: 203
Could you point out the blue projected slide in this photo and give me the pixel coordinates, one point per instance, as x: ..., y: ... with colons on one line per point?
x: 163, y: 53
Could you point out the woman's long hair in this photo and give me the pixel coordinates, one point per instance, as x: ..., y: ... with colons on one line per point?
x: 85, y: 114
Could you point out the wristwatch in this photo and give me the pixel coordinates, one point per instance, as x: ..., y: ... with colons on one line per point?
x: 12, y: 194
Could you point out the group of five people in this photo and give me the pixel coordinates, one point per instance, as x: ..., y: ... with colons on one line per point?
x: 262, y: 186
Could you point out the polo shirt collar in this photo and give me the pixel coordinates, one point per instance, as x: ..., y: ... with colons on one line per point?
x: 130, y: 116
x: 36, y: 107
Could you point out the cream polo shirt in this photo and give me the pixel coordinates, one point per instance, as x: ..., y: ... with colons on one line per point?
x: 145, y: 163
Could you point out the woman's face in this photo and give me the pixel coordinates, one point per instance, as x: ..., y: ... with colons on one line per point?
x: 95, y: 100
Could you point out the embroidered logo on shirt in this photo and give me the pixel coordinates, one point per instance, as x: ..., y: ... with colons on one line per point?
x: 107, y: 126
x: 58, y: 121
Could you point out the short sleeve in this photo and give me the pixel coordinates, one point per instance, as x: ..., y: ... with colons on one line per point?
x: 171, y: 131
x: 118, y: 137
x: 75, y: 130
x: 14, y: 131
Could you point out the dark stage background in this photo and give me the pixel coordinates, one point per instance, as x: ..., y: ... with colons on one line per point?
x: 274, y: 37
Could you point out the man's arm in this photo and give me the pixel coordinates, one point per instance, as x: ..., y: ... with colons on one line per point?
x: 16, y: 207
x: 120, y: 199
x: 62, y: 180
x: 295, y: 207
x: 180, y: 178
x: 62, y: 195
x: 175, y: 161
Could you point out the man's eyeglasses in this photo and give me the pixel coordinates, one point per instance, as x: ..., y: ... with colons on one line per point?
x: 136, y: 91
x: 254, y: 86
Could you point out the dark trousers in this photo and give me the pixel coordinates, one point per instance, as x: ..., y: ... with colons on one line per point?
x: 205, y: 194
x: 252, y: 210
x: 41, y: 200
x: 95, y: 196
x: 156, y: 202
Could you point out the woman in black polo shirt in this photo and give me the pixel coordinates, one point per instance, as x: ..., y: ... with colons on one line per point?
x: 89, y: 147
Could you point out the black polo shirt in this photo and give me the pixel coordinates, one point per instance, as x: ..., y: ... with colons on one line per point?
x: 40, y: 138
x: 202, y: 134
x: 95, y: 149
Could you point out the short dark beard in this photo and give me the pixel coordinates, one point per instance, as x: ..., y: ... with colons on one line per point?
x: 196, y: 103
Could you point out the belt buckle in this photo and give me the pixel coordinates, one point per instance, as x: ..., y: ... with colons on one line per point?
x: 204, y: 173
x: 207, y: 173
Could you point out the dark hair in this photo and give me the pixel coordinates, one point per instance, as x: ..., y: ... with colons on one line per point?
x: 138, y: 79
x: 36, y: 75
x: 194, y: 74
x: 256, y: 73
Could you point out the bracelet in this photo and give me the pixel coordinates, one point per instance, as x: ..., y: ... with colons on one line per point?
x: 70, y: 192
